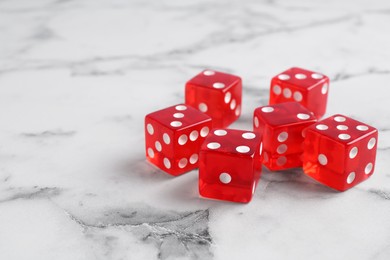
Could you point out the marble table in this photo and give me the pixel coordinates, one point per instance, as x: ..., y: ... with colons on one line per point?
x: 78, y: 77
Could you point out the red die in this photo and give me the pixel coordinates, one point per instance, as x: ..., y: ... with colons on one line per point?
x: 230, y: 165
x: 217, y: 94
x: 340, y: 152
x: 306, y: 87
x: 282, y: 126
x: 173, y: 137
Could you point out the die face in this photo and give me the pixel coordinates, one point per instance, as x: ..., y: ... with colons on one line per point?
x: 340, y: 152
x: 230, y: 165
x: 173, y: 137
x: 308, y: 88
x: 323, y: 150
x: 230, y: 141
x: 178, y: 117
x: 284, y: 114
x: 225, y: 181
x: 343, y: 129
x: 304, y: 79
x: 217, y: 94
x: 282, y: 126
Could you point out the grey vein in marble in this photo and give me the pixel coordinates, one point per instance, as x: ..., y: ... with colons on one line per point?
x: 175, y: 234
x: 31, y: 193
x: 50, y: 133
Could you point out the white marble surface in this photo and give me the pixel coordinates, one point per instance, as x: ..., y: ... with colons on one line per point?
x: 77, y: 78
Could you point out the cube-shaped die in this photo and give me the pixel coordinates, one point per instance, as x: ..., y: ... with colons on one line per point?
x: 282, y: 127
x: 230, y: 165
x: 217, y: 94
x: 340, y: 152
x: 173, y: 137
x: 306, y: 87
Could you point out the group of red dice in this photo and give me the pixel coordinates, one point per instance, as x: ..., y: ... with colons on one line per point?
x: 338, y: 151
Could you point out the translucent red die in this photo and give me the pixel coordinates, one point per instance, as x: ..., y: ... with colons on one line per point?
x: 340, y: 152
x: 230, y: 165
x: 282, y: 127
x: 217, y: 94
x: 173, y: 137
x: 308, y: 88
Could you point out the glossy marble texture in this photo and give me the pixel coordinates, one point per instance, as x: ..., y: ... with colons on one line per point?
x: 78, y: 77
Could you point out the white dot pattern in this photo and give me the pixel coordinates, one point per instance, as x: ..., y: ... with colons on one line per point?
x: 342, y: 127
x: 282, y: 149
x: 283, y: 136
x: 194, y: 158
x: 178, y: 115
x: 322, y: 127
x: 204, y: 131
x: 277, y: 90
x: 181, y: 107
x: 183, y: 163
x: 284, y: 77
x: 316, y: 76
x: 362, y: 128
x: 233, y: 104
x: 228, y: 97
x: 353, y: 152
x: 287, y: 93
x: 150, y: 153
x: 176, y: 123
x: 203, y: 107
x: 167, y: 163
x: 339, y: 119
x: 297, y: 96
x: 242, y: 149
x: 238, y: 111
x: 218, y: 85
x: 166, y: 138
x: 256, y: 121
x: 267, y: 109
x: 213, y: 145
x: 351, y: 177
x: 208, y: 73
x: 158, y: 146
x: 182, y: 139
x: 150, y: 129
x: 322, y: 159
x: 194, y: 135
x: 282, y: 160
x: 248, y: 135
x: 220, y: 132
x: 324, y: 89
x: 300, y: 76
x: 344, y: 136
x: 371, y: 143
x: 303, y: 116
x: 225, y: 178
x: 368, y: 168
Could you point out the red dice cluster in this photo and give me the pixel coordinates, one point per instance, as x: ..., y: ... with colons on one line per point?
x: 338, y: 151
